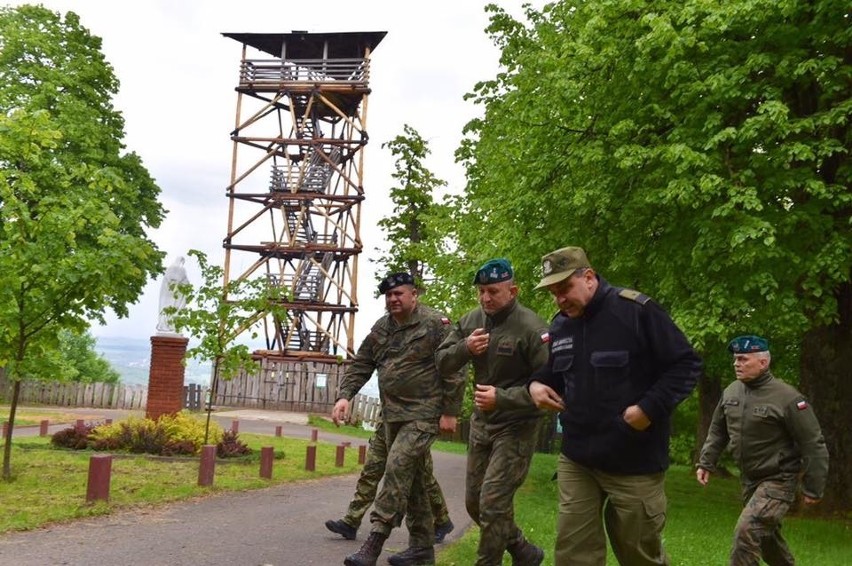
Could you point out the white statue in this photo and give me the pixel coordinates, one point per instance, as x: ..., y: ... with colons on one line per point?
x: 170, y: 296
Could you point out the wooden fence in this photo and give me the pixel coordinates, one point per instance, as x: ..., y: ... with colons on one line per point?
x: 75, y: 394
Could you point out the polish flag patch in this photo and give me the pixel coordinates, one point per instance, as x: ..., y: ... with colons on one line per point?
x: 545, y: 337
x: 802, y: 405
x: 445, y: 320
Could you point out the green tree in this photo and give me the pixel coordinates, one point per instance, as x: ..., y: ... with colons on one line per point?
x: 74, y: 206
x: 217, y: 316
x: 699, y: 151
x: 77, y: 352
x: 410, y: 237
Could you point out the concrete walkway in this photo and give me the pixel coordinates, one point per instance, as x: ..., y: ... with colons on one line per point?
x: 277, y: 526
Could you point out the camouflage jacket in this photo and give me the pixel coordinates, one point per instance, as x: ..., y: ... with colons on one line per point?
x: 403, y: 356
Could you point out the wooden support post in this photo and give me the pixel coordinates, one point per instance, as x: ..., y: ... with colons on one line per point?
x: 266, y: 458
x: 278, y: 430
x: 100, y: 468
x: 207, y: 466
x: 311, y: 458
x: 314, y: 433
x: 235, y: 426
x: 341, y: 455
x: 362, y: 454
x: 42, y: 427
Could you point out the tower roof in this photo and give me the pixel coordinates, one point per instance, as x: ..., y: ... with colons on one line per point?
x: 304, y: 45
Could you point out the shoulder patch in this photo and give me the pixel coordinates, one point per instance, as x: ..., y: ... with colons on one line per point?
x: 545, y: 337
x: 445, y: 320
x: 802, y: 405
x: 634, y: 296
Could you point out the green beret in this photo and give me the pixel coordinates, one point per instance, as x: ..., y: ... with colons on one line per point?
x: 748, y: 344
x: 395, y: 280
x: 494, y: 271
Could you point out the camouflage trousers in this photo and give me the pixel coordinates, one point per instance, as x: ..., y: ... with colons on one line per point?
x: 498, y: 460
x: 371, y: 475
x: 758, y: 530
x: 633, y: 509
x: 404, y: 486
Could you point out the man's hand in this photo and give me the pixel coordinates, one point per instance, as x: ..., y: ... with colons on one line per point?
x: 485, y: 397
x: 702, y: 475
x: 447, y: 423
x: 340, y: 412
x: 477, y: 342
x: 636, y: 417
x: 546, y: 398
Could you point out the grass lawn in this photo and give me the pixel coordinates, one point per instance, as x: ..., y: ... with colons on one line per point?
x: 698, y: 529
x: 49, y: 484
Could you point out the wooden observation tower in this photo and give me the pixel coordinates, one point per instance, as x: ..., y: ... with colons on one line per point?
x: 296, y: 186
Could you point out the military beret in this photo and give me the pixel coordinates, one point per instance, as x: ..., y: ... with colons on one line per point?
x: 748, y: 344
x: 494, y: 271
x: 395, y: 280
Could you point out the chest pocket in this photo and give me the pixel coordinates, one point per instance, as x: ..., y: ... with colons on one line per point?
x: 611, y: 368
x: 562, y: 367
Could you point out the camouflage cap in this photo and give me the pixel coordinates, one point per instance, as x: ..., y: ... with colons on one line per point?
x: 395, y: 280
x: 748, y: 344
x: 561, y: 264
x: 494, y: 271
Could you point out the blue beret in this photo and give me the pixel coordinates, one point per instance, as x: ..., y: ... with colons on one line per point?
x: 748, y: 344
x: 494, y: 271
x: 395, y: 280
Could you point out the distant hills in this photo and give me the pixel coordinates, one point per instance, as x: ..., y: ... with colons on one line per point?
x: 131, y: 358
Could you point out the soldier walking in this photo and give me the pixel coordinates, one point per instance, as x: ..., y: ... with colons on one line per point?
x: 504, y: 342
x: 775, y: 439
x: 417, y: 401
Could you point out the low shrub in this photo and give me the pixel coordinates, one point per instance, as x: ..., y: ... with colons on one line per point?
x: 75, y: 438
x: 170, y: 435
x: 231, y: 446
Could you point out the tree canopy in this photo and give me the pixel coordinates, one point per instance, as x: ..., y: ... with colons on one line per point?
x: 74, y: 204
x: 698, y: 151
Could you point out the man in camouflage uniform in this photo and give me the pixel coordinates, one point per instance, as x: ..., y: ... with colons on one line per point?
x: 417, y: 401
x: 505, y: 342
x: 368, y: 483
x: 775, y: 439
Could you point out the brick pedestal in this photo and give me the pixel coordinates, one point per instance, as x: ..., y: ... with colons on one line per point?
x: 165, y: 382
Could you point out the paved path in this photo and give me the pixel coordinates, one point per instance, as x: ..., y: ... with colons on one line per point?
x: 277, y: 526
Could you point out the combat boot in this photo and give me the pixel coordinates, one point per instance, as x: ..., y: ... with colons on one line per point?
x: 414, y: 556
x: 524, y: 553
x: 442, y: 530
x: 369, y: 553
x: 342, y: 528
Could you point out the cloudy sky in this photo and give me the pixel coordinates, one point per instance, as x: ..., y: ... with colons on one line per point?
x: 178, y: 74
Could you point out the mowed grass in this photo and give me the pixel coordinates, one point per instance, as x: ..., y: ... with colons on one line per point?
x: 698, y: 530
x: 49, y: 485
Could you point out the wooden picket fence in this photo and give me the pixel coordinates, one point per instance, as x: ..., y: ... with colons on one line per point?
x: 75, y: 394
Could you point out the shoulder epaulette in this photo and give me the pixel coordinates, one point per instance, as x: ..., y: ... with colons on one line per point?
x: 634, y: 296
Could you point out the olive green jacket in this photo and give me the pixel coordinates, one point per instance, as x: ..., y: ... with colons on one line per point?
x: 517, y: 347
x: 403, y: 356
x: 771, y: 430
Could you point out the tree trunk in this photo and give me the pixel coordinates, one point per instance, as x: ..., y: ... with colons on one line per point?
x: 709, y: 393
x: 826, y: 381
x: 7, y: 447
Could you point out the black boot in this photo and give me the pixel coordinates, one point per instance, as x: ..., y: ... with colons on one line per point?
x: 442, y: 530
x: 342, y: 528
x: 369, y: 552
x: 414, y: 556
x: 524, y: 553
